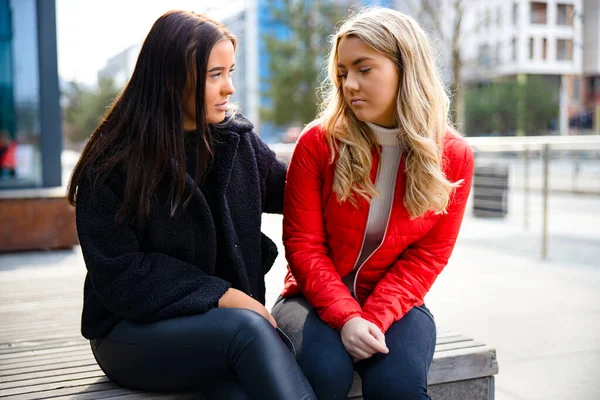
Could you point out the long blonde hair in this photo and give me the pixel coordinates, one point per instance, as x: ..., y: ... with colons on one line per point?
x: 421, y: 113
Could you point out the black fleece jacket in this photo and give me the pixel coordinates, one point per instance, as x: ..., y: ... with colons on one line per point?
x: 182, y: 264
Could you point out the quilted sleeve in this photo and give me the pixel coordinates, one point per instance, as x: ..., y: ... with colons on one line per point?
x: 304, y: 233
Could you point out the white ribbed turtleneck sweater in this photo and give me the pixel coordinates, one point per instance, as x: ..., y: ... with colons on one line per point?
x: 381, y: 206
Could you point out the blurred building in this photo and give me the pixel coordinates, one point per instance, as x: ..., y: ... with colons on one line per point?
x: 119, y: 68
x: 250, y: 21
x: 251, y: 24
x: 591, y: 59
x: 243, y: 24
x: 550, y: 38
x: 30, y: 123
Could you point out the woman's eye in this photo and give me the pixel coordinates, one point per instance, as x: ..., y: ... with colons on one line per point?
x: 362, y: 70
x: 342, y: 75
x: 216, y: 75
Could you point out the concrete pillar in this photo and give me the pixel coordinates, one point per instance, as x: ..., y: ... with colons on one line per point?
x: 563, y: 119
x: 521, y: 112
x: 597, y: 120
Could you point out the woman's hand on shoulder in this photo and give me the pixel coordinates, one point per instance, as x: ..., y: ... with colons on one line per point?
x: 234, y: 298
x: 362, y: 339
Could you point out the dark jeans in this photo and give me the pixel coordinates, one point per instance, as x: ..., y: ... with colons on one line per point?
x: 399, y: 375
x: 224, y: 354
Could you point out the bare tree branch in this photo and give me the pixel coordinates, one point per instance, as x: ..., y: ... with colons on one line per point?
x: 432, y: 8
x: 445, y: 18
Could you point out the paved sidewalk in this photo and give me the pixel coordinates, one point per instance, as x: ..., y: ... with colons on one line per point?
x: 543, y: 317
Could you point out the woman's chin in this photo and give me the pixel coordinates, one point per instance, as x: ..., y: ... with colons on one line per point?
x: 216, y: 117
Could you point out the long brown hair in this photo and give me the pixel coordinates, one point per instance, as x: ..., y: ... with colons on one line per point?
x: 142, y: 134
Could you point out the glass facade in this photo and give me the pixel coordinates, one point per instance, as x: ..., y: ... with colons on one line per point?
x: 19, y: 95
x: 30, y: 127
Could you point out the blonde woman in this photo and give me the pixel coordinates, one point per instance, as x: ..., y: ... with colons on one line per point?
x: 376, y: 191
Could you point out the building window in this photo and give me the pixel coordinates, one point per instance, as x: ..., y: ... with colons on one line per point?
x: 531, y: 48
x: 484, y: 55
x: 564, y: 14
x: 593, y: 89
x: 595, y: 86
x: 515, y: 14
x: 577, y: 88
x: 499, y: 53
x: 544, y: 48
x: 564, y: 49
x: 499, y: 16
x: 539, y: 13
x: 514, y: 49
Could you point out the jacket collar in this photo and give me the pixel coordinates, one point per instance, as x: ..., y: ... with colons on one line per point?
x: 225, y: 152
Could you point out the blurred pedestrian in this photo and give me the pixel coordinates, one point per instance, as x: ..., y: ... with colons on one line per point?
x: 8, y: 148
x: 375, y: 196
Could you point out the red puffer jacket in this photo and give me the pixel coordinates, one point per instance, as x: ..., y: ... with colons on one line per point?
x: 323, y: 238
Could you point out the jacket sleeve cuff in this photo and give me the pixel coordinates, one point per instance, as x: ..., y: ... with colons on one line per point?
x: 382, y: 325
x: 337, y: 314
x: 346, y: 319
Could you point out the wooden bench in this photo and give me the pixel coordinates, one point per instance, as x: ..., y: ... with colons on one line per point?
x: 36, y: 219
x: 60, y: 367
x: 42, y: 354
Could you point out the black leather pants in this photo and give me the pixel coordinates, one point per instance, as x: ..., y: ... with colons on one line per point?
x: 223, y: 354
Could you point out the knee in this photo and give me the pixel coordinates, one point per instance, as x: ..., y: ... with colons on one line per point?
x: 252, y: 333
x: 330, y: 378
x: 405, y: 388
x: 250, y: 322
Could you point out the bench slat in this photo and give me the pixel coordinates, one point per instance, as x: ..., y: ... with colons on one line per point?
x: 4, y: 340
x: 36, y: 335
x: 35, y: 353
x: 25, y: 346
x: 50, y: 367
x: 58, y: 385
x: 60, y: 371
x: 56, y: 379
x: 461, y: 364
x: 103, y: 394
x: 146, y: 396
x: 457, y: 345
x: 452, y: 339
x: 43, y: 341
x: 40, y: 326
x: 67, y: 391
x: 46, y: 359
x: 82, y: 357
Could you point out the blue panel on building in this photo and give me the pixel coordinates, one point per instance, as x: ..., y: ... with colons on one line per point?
x: 268, y: 26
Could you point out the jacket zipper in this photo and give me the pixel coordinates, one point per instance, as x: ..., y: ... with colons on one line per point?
x: 382, y: 239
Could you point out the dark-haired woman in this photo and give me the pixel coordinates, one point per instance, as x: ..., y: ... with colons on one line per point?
x: 169, y: 193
